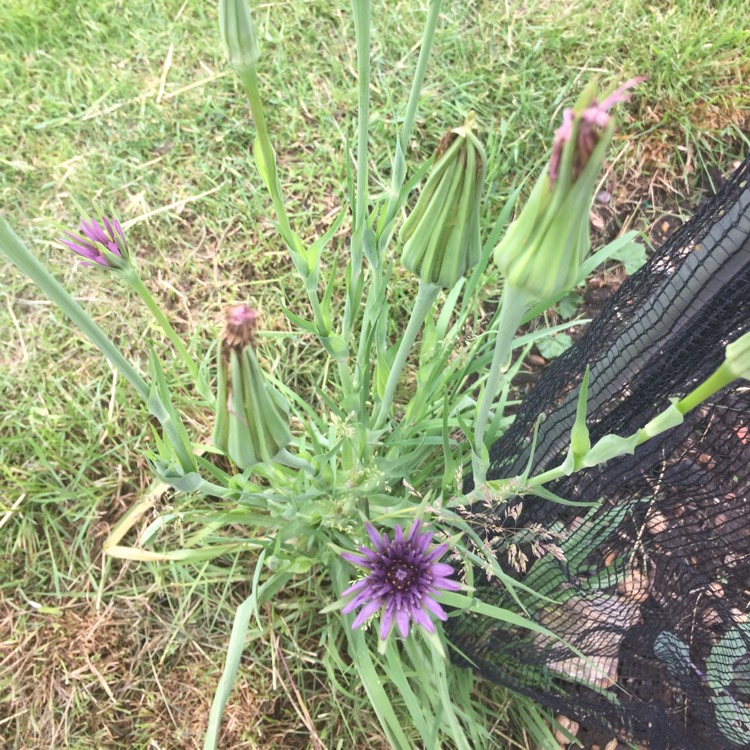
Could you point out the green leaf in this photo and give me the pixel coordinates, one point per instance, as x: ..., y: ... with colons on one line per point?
x: 632, y: 255
x: 554, y: 345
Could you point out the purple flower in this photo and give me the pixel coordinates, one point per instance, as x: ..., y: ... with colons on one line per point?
x: 404, y: 578
x: 92, y: 236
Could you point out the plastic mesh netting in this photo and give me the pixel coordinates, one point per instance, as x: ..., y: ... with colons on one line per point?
x: 651, y: 585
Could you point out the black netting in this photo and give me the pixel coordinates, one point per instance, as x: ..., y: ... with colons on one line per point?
x: 652, y: 585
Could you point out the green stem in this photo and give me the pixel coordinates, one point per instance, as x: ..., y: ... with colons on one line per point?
x: 399, y: 171
x: 136, y: 284
x: 12, y: 246
x: 426, y: 296
x: 662, y: 422
x: 352, y: 303
x: 250, y: 82
x: 300, y: 258
x: 513, y: 306
x: 361, y: 10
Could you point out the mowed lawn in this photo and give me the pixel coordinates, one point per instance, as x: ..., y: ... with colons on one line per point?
x: 129, y: 106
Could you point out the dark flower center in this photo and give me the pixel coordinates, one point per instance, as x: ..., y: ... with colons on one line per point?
x: 401, y: 576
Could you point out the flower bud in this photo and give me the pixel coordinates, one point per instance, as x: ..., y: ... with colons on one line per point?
x: 99, y: 244
x: 737, y: 358
x: 251, y: 419
x: 238, y: 34
x: 441, y: 235
x: 542, y: 251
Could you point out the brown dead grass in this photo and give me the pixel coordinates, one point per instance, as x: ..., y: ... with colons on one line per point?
x: 113, y: 678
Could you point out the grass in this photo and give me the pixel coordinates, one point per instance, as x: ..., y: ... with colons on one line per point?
x: 131, y: 105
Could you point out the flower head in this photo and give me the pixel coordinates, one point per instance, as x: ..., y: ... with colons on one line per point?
x: 544, y: 247
x: 242, y: 321
x: 587, y: 126
x: 91, y: 239
x: 252, y: 424
x: 404, y: 577
x: 441, y: 235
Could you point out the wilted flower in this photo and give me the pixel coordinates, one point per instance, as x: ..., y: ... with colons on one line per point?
x: 251, y: 415
x: 441, y: 235
x: 542, y: 251
x: 404, y: 578
x: 93, y: 238
x: 587, y: 127
x: 240, y: 327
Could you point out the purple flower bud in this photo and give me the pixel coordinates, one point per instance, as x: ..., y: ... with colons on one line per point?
x: 585, y: 124
x: 93, y: 238
x: 404, y: 578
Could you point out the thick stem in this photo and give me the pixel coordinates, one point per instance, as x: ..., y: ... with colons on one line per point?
x: 250, y: 83
x: 249, y: 79
x: 136, y: 284
x: 361, y: 9
x: 513, y: 307
x: 428, y: 34
x: 422, y: 305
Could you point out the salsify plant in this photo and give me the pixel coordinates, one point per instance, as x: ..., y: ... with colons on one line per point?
x: 359, y: 497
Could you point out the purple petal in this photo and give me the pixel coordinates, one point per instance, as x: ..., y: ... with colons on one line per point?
x: 441, y: 570
x: 402, y: 621
x: 361, y: 584
x: 365, y: 613
x: 435, y: 608
x: 83, y: 250
x: 355, y: 559
x: 621, y: 93
x: 446, y: 584
x: 414, y: 529
x: 374, y: 535
x: 398, y: 535
x: 362, y: 598
x: 422, y: 618
x: 438, y: 552
x: 386, y: 622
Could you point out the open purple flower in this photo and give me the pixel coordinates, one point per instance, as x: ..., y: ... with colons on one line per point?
x: 87, y: 244
x: 404, y: 578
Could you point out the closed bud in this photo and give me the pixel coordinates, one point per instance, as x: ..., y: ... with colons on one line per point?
x: 252, y: 425
x: 441, y: 235
x: 737, y: 358
x: 542, y: 251
x: 238, y: 34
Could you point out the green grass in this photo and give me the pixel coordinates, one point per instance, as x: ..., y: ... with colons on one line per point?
x: 131, y: 105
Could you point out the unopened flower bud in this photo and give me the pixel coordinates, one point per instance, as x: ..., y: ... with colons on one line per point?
x: 737, y: 358
x: 441, y: 235
x: 252, y: 425
x: 542, y: 251
x: 238, y: 34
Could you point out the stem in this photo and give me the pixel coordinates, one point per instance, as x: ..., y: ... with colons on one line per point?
x: 17, y: 252
x: 352, y: 302
x: 425, y: 49
x: 361, y: 10
x: 426, y: 296
x: 300, y: 258
x: 250, y: 82
x: 719, y: 379
x: 513, y: 306
x: 136, y: 284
